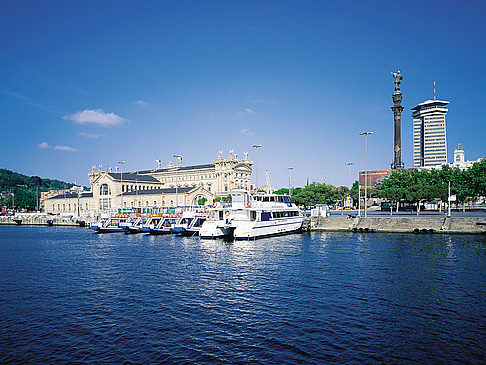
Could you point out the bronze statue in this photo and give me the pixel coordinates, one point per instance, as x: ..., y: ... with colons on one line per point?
x: 398, y: 79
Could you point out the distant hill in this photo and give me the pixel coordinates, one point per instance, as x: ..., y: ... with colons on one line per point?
x: 25, y: 188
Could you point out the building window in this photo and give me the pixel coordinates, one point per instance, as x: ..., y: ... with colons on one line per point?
x: 105, y: 203
x: 105, y: 190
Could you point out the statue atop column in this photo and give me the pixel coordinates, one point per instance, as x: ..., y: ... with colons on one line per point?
x: 398, y: 79
x: 397, y: 116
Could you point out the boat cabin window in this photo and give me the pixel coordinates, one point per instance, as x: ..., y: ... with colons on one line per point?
x: 287, y: 199
x: 265, y: 216
x: 253, y: 215
x: 221, y: 217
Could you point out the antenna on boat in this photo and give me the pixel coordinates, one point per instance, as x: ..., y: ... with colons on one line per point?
x: 269, y: 188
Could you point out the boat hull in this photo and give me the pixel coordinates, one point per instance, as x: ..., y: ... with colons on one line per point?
x: 254, y: 230
x: 110, y: 229
x: 158, y: 231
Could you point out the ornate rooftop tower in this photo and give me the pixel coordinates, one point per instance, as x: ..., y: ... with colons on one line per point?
x: 397, y: 114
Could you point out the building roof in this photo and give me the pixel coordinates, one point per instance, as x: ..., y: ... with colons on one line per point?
x: 176, y: 168
x: 86, y: 194
x: 130, y: 176
x: 179, y: 190
x: 429, y: 103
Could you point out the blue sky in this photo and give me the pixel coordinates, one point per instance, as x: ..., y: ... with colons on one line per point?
x: 84, y: 83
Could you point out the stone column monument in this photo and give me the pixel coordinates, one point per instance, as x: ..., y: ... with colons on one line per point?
x: 397, y: 114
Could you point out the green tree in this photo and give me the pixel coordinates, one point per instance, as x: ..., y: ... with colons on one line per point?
x: 476, y: 177
x: 202, y: 201
x: 393, y: 188
x: 317, y: 193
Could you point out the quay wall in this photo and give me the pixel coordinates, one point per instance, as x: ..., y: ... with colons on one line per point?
x: 399, y: 224
x: 40, y: 221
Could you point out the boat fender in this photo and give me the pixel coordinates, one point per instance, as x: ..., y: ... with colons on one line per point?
x: 248, y: 204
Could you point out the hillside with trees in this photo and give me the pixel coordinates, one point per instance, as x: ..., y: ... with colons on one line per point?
x: 22, y: 190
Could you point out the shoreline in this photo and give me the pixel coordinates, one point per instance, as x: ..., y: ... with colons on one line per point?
x: 454, y: 225
x: 418, y: 225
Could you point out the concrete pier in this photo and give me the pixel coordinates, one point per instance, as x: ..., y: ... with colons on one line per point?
x: 42, y: 221
x: 399, y: 224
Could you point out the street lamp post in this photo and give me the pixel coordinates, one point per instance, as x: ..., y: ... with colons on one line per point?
x: 121, y: 179
x: 256, y: 147
x: 366, y: 134
x: 359, y: 198
x: 349, y: 164
x: 179, y: 157
x: 290, y: 179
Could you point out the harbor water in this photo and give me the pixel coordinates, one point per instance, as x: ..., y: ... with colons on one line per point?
x: 68, y: 295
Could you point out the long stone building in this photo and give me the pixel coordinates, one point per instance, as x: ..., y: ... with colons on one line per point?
x: 169, y: 186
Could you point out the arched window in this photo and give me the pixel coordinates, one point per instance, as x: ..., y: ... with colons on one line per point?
x: 105, y: 190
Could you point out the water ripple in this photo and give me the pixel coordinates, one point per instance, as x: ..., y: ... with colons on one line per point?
x: 70, y: 296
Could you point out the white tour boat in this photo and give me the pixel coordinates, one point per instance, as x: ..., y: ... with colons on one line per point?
x: 250, y: 216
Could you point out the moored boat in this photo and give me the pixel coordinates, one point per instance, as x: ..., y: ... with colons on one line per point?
x: 249, y: 216
x: 165, y: 225
x: 116, y: 223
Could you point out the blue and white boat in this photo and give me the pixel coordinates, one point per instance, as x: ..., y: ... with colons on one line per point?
x: 165, y: 225
x: 113, y: 224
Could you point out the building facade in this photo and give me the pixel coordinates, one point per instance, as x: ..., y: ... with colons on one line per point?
x: 169, y: 186
x: 429, y: 133
x: 459, y: 161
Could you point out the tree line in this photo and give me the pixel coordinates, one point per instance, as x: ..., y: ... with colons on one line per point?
x: 408, y: 186
x: 419, y: 186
